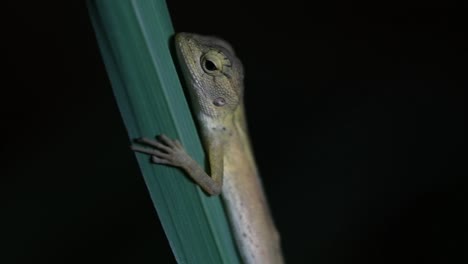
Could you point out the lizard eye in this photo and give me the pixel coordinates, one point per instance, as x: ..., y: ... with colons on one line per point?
x: 210, y: 66
x: 213, y: 62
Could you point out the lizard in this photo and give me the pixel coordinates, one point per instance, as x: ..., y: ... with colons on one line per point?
x: 215, y: 80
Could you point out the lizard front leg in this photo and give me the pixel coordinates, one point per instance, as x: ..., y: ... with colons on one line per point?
x: 171, y: 152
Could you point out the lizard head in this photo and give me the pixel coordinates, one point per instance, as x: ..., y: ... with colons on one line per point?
x: 214, y: 75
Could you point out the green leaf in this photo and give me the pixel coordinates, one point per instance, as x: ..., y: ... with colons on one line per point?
x: 134, y: 38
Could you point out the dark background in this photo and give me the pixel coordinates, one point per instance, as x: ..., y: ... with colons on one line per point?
x: 355, y: 111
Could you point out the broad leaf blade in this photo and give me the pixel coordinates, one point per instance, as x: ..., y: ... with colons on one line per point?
x: 134, y: 39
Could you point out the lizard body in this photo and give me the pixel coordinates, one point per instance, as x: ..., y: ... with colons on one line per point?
x: 214, y: 77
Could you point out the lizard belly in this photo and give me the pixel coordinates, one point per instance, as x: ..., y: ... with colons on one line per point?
x: 254, y: 230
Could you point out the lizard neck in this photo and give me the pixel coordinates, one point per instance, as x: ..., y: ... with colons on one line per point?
x: 231, y: 135
x: 242, y: 129
x: 238, y: 138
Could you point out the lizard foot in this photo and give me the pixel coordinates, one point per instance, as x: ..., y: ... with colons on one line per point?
x: 165, y: 151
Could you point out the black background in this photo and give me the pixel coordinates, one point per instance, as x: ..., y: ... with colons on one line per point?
x: 355, y: 112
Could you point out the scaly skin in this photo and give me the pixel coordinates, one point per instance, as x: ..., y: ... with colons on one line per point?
x: 214, y: 76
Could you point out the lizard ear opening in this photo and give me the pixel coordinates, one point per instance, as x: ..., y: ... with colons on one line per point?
x: 220, y: 101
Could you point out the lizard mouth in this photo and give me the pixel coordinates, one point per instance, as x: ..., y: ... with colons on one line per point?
x: 188, y: 60
x: 185, y: 48
x: 182, y: 51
